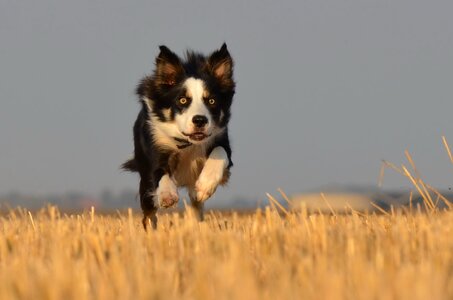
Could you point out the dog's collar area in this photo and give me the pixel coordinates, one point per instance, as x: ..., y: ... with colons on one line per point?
x: 185, y: 143
x: 184, y: 146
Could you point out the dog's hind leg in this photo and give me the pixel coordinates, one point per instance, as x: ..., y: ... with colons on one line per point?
x: 197, y: 206
x: 147, y: 203
x: 149, y: 218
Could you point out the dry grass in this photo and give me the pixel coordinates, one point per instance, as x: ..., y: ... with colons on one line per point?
x: 264, y: 255
x: 269, y: 254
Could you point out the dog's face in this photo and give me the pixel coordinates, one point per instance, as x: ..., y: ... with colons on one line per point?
x: 190, y: 100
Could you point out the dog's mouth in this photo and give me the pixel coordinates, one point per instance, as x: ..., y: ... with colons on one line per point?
x: 197, y: 136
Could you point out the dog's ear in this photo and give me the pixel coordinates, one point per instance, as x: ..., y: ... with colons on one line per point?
x: 168, y: 67
x: 220, y: 64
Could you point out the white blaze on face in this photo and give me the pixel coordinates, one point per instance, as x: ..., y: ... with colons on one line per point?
x: 195, y: 89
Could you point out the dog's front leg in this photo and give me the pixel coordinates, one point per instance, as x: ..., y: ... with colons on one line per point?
x: 166, y: 193
x: 212, y: 174
x: 156, y: 192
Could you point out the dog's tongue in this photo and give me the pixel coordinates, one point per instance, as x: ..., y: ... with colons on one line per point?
x: 198, y: 136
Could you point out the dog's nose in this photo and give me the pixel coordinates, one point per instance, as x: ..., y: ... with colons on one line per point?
x: 199, y: 121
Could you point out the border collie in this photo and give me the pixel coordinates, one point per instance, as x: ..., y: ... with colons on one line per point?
x: 181, y: 134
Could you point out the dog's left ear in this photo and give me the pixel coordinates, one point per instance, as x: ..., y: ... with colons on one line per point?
x: 220, y: 64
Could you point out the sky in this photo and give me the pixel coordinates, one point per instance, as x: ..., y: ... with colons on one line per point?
x: 325, y: 89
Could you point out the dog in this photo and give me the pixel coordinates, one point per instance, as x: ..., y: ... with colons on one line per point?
x: 181, y: 132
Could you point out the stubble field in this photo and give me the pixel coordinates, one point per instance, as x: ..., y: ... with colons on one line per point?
x: 268, y: 254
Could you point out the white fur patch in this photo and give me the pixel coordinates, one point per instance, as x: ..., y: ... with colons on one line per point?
x: 167, y: 193
x: 212, y: 174
x: 163, y: 132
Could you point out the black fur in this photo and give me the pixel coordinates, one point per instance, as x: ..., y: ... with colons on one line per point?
x: 163, y: 88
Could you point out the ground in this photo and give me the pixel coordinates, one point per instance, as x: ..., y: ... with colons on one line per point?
x: 266, y: 254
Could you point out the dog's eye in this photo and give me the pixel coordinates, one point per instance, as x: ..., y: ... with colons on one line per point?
x: 182, y: 101
x: 211, y: 101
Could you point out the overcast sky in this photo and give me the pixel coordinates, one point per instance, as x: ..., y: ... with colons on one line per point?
x: 325, y: 89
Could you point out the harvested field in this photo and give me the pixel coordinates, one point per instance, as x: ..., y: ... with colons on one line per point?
x: 268, y: 254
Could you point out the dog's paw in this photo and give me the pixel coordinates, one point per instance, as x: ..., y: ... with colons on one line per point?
x: 205, y: 187
x: 212, y: 174
x: 166, y: 193
x: 167, y: 199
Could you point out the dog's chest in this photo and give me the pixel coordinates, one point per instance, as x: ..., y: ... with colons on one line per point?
x: 187, y: 164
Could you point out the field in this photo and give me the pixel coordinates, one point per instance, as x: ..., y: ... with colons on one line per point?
x: 271, y: 253
x: 268, y: 254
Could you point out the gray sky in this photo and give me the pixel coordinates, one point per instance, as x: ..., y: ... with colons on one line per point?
x: 325, y: 89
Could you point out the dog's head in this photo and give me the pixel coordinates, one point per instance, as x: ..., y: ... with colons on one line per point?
x: 189, y: 100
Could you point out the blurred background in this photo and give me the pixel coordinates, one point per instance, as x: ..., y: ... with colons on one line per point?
x: 325, y: 91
